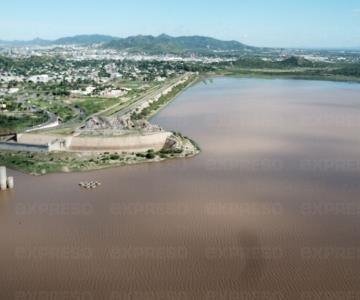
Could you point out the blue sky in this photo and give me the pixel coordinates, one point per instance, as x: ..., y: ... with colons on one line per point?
x: 283, y: 23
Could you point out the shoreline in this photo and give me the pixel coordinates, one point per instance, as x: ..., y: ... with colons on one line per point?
x: 38, y: 163
x: 131, y: 158
x: 173, y: 97
x: 330, y: 78
x: 245, y: 191
x: 78, y: 162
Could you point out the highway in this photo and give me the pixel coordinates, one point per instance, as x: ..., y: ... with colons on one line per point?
x: 149, y: 96
x: 53, y: 122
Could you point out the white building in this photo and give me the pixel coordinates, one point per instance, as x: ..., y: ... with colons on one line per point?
x: 88, y: 91
x: 39, y: 78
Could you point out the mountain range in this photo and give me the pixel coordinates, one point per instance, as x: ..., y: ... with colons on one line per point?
x: 161, y: 44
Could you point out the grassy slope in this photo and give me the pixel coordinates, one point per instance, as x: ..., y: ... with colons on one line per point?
x: 45, y: 163
x: 92, y: 105
x: 155, y: 107
x: 14, y: 123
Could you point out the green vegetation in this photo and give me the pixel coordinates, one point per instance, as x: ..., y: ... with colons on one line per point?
x: 92, y: 105
x: 292, y: 68
x: 85, y: 39
x: 166, y: 153
x: 56, y: 162
x: 291, y: 74
x: 27, y: 66
x: 59, y: 108
x: 103, y: 73
x: 165, y: 44
x: 25, y: 103
x: 352, y: 70
x: 61, y: 89
x: 150, y: 154
x: 163, y: 100
x: 44, y: 163
x: 17, y: 122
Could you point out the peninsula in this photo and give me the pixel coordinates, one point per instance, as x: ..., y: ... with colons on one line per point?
x: 102, y: 131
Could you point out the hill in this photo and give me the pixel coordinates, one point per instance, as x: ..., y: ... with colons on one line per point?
x: 34, y: 42
x: 72, y: 40
x: 89, y: 39
x: 164, y: 44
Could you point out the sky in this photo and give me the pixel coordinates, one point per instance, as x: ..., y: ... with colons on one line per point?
x: 270, y: 23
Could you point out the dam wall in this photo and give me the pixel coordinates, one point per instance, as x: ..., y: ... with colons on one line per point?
x: 23, y: 147
x: 123, y: 143
x: 130, y: 143
x: 36, y: 139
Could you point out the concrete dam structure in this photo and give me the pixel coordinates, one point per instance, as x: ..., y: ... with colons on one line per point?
x: 3, y: 178
x: 139, y: 142
x: 5, y: 182
x: 12, y: 146
x: 131, y: 143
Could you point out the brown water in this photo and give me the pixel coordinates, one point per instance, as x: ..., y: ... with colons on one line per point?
x: 269, y: 210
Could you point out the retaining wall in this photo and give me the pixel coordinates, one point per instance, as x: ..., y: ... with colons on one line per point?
x: 23, y: 147
x: 132, y: 143
x: 124, y: 143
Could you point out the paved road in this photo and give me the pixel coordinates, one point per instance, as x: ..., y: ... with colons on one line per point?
x: 52, y: 122
x: 139, y: 101
x: 148, y: 97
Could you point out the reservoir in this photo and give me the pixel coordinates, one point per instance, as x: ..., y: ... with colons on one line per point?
x: 270, y: 209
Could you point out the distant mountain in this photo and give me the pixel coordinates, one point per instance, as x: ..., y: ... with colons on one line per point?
x: 163, y: 44
x: 73, y: 40
x: 34, y: 42
x: 84, y: 40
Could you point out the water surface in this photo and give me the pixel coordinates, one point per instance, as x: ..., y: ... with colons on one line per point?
x: 269, y: 210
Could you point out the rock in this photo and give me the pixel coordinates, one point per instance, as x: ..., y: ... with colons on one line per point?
x: 65, y: 169
x: 119, y: 123
x: 89, y: 185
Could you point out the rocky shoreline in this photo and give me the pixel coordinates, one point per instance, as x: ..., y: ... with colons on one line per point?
x: 40, y: 163
x: 103, y: 142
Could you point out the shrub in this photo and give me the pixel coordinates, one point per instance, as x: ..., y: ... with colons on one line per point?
x: 150, y: 154
x: 114, y: 156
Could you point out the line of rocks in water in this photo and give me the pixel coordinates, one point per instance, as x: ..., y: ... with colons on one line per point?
x: 90, y: 184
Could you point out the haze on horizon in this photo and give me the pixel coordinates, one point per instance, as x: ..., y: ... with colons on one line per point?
x: 268, y: 23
